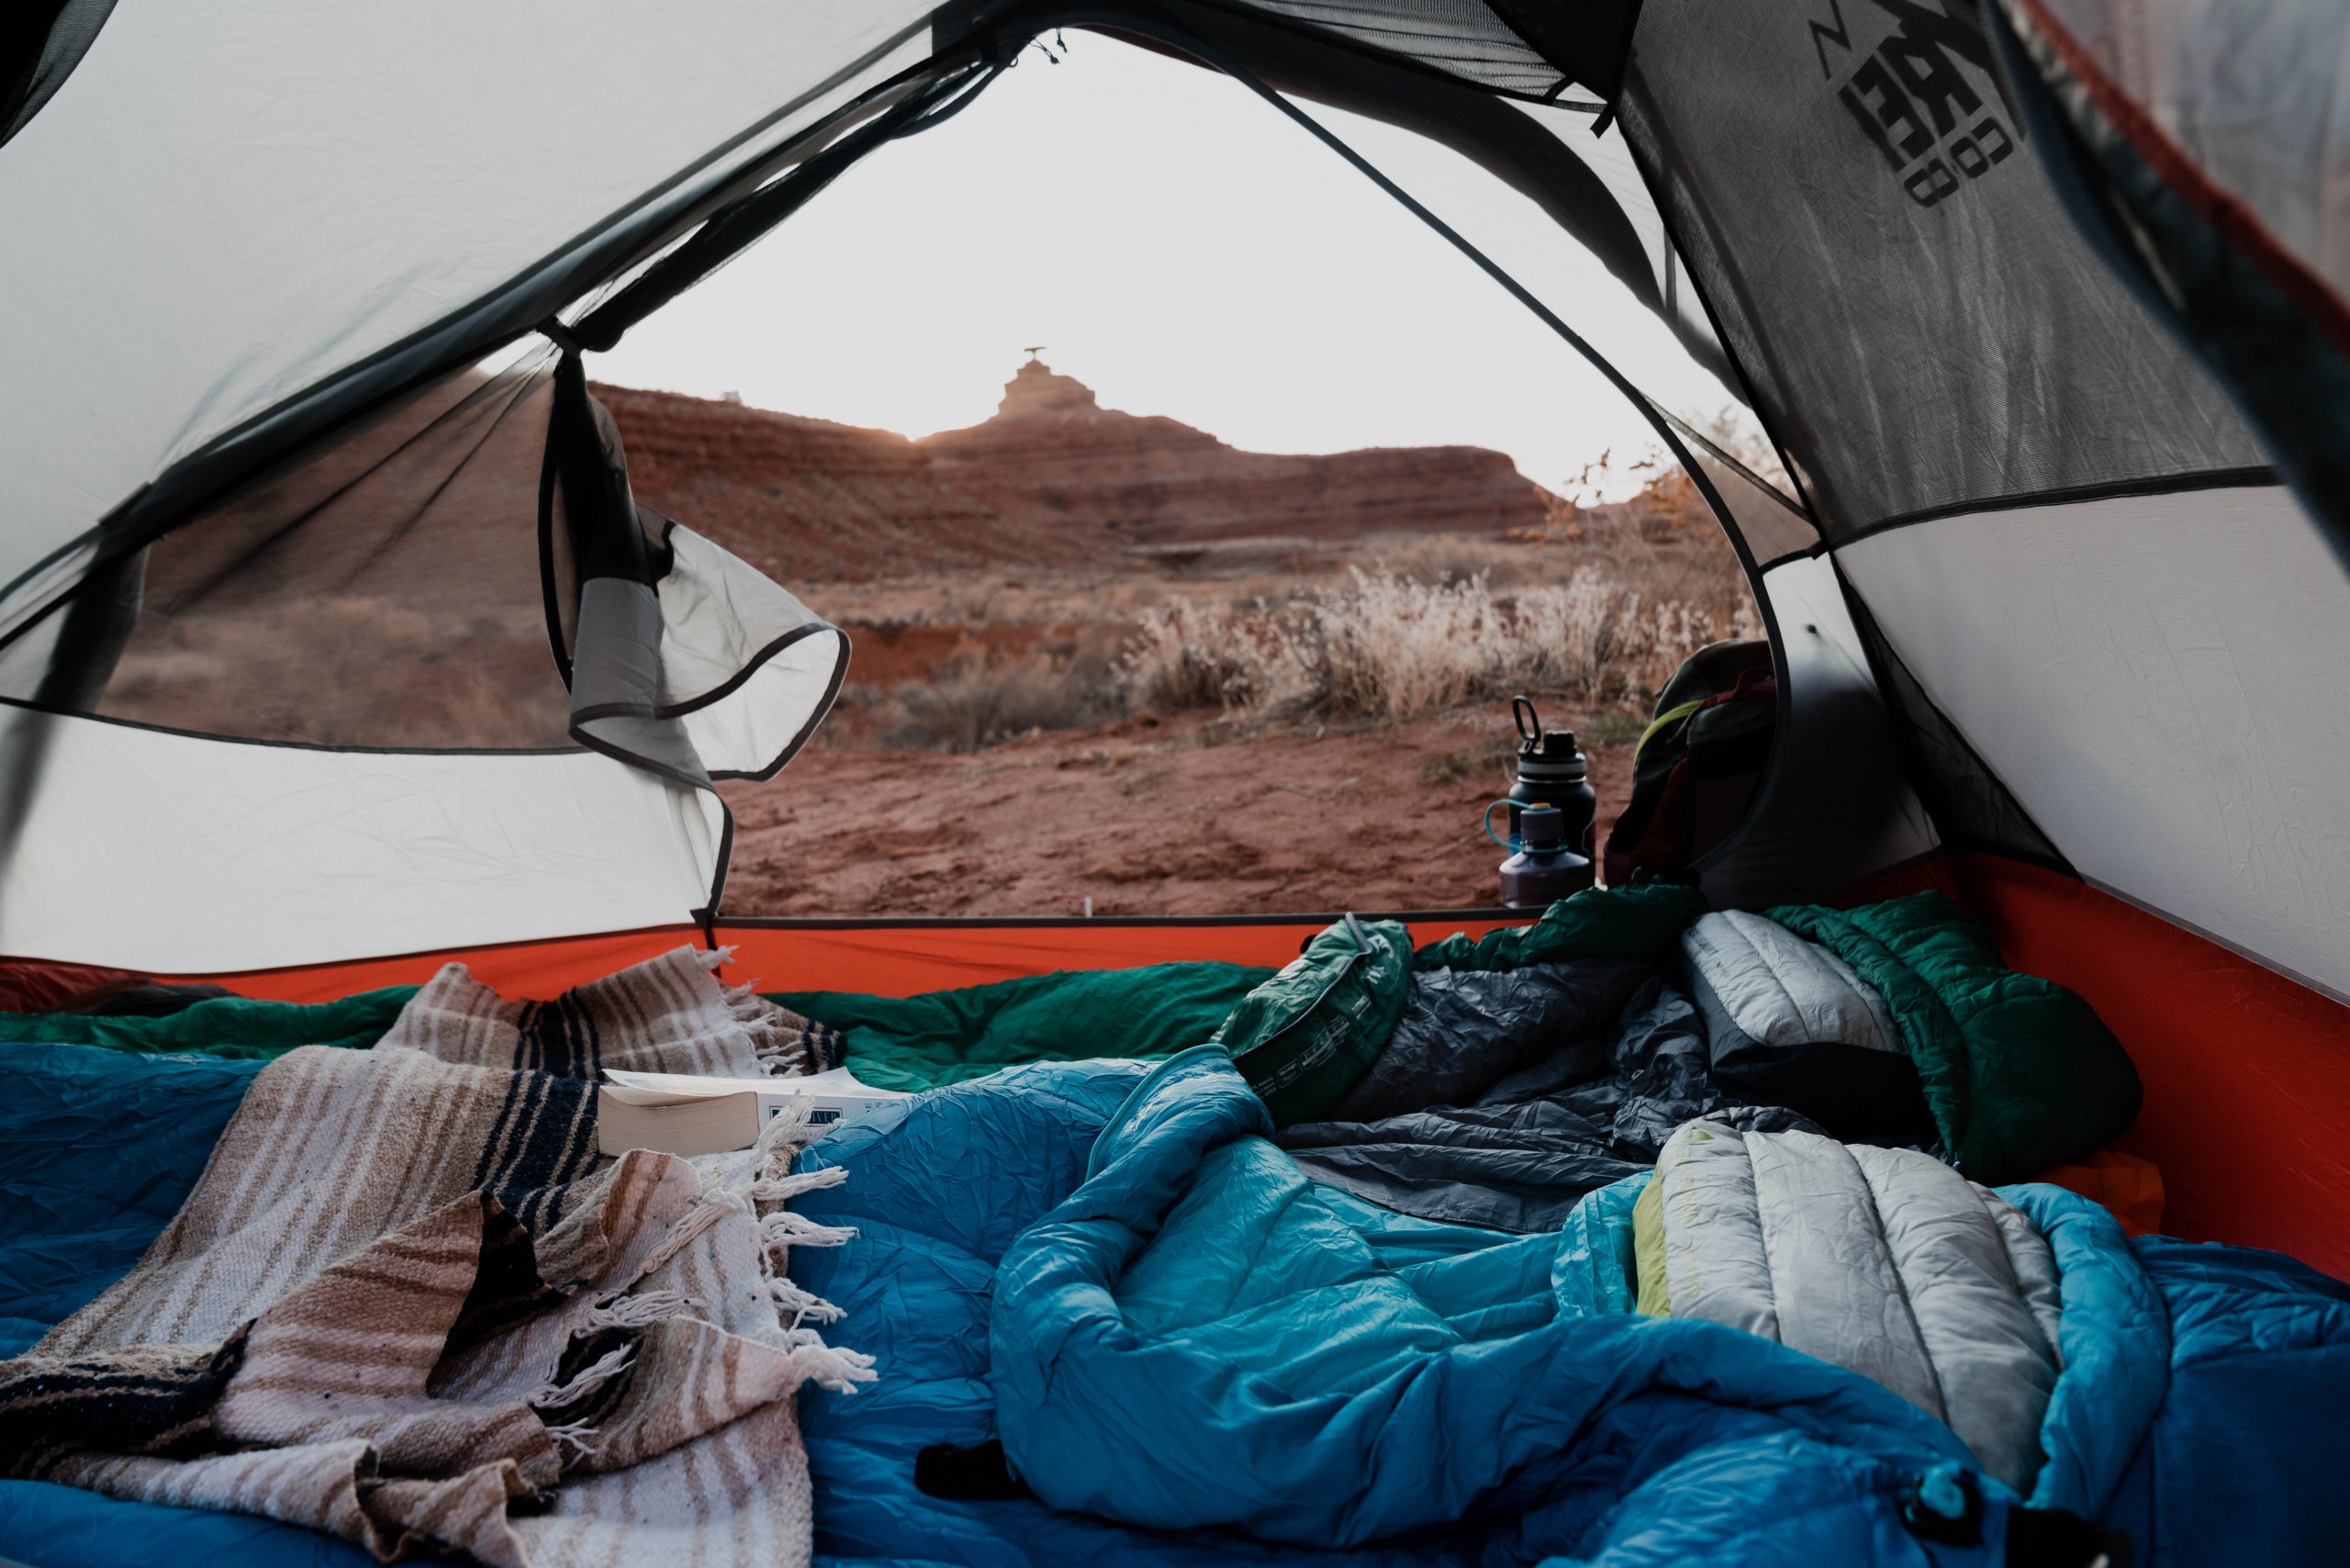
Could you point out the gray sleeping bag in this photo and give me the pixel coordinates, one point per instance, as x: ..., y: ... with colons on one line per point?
x: 1885, y: 1262
x: 1788, y: 1023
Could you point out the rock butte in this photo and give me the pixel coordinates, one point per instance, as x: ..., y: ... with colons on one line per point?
x: 1052, y: 478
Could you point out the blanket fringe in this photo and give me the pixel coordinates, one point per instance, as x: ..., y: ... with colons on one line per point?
x: 784, y: 1043
x: 783, y: 1230
x: 786, y: 1134
x: 771, y: 1184
x: 585, y: 1381
x: 781, y: 1189
x: 575, y: 1443
x: 830, y: 1366
x: 800, y: 1304
x: 641, y: 1311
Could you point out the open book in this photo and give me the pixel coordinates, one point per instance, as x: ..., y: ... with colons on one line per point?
x: 680, y: 1114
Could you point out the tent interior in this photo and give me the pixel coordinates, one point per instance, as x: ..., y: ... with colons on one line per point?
x: 2052, y: 594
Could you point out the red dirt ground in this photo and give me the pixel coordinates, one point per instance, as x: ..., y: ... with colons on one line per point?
x: 1173, y: 817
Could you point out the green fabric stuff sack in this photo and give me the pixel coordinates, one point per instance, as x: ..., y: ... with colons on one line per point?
x: 913, y: 1043
x: 2019, y: 1073
x: 1304, y: 1038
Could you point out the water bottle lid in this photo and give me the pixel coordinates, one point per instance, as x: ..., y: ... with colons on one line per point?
x: 1541, y: 830
x: 1553, y: 759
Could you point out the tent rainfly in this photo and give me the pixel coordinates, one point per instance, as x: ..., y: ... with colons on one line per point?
x: 2051, y: 341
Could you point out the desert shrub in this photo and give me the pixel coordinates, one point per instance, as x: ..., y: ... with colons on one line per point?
x: 977, y: 700
x: 1188, y: 655
x: 1388, y: 646
x: 1454, y: 557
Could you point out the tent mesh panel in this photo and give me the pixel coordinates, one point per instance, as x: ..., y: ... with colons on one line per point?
x: 1920, y: 322
x: 380, y: 589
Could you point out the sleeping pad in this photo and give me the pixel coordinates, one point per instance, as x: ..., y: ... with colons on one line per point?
x: 1170, y: 1324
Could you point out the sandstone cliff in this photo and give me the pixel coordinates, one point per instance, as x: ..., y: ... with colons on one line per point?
x: 1053, y: 478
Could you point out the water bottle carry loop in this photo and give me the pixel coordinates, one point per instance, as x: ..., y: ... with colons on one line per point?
x: 1514, y: 844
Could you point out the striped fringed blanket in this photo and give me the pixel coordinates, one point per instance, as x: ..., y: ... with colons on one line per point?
x: 407, y: 1303
x: 668, y: 1014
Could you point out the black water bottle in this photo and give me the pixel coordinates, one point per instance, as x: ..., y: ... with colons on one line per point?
x: 1550, y: 772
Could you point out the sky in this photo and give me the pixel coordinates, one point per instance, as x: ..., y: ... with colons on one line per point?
x: 1183, y: 249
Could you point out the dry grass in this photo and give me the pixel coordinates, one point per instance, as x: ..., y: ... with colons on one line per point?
x: 1387, y: 648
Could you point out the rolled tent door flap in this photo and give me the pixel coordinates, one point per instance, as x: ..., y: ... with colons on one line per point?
x: 753, y: 670
x: 682, y: 659
x: 711, y: 671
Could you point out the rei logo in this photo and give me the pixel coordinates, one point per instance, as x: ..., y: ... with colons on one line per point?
x: 1913, y: 96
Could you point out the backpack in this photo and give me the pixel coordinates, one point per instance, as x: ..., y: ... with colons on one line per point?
x: 1697, y: 764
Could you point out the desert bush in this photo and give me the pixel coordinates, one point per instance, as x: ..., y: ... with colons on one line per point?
x: 1388, y: 646
x: 1190, y: 654
x: 979, y: 700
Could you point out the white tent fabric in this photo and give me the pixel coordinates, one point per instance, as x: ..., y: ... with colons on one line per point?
x: 223, y: 208
x: 178, y: 853
x: 2159, y: 681
x: 225, y: 204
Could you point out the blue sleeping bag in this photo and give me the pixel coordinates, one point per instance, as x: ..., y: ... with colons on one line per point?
x: 98, y: 1149
x: 1170, y: 1325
